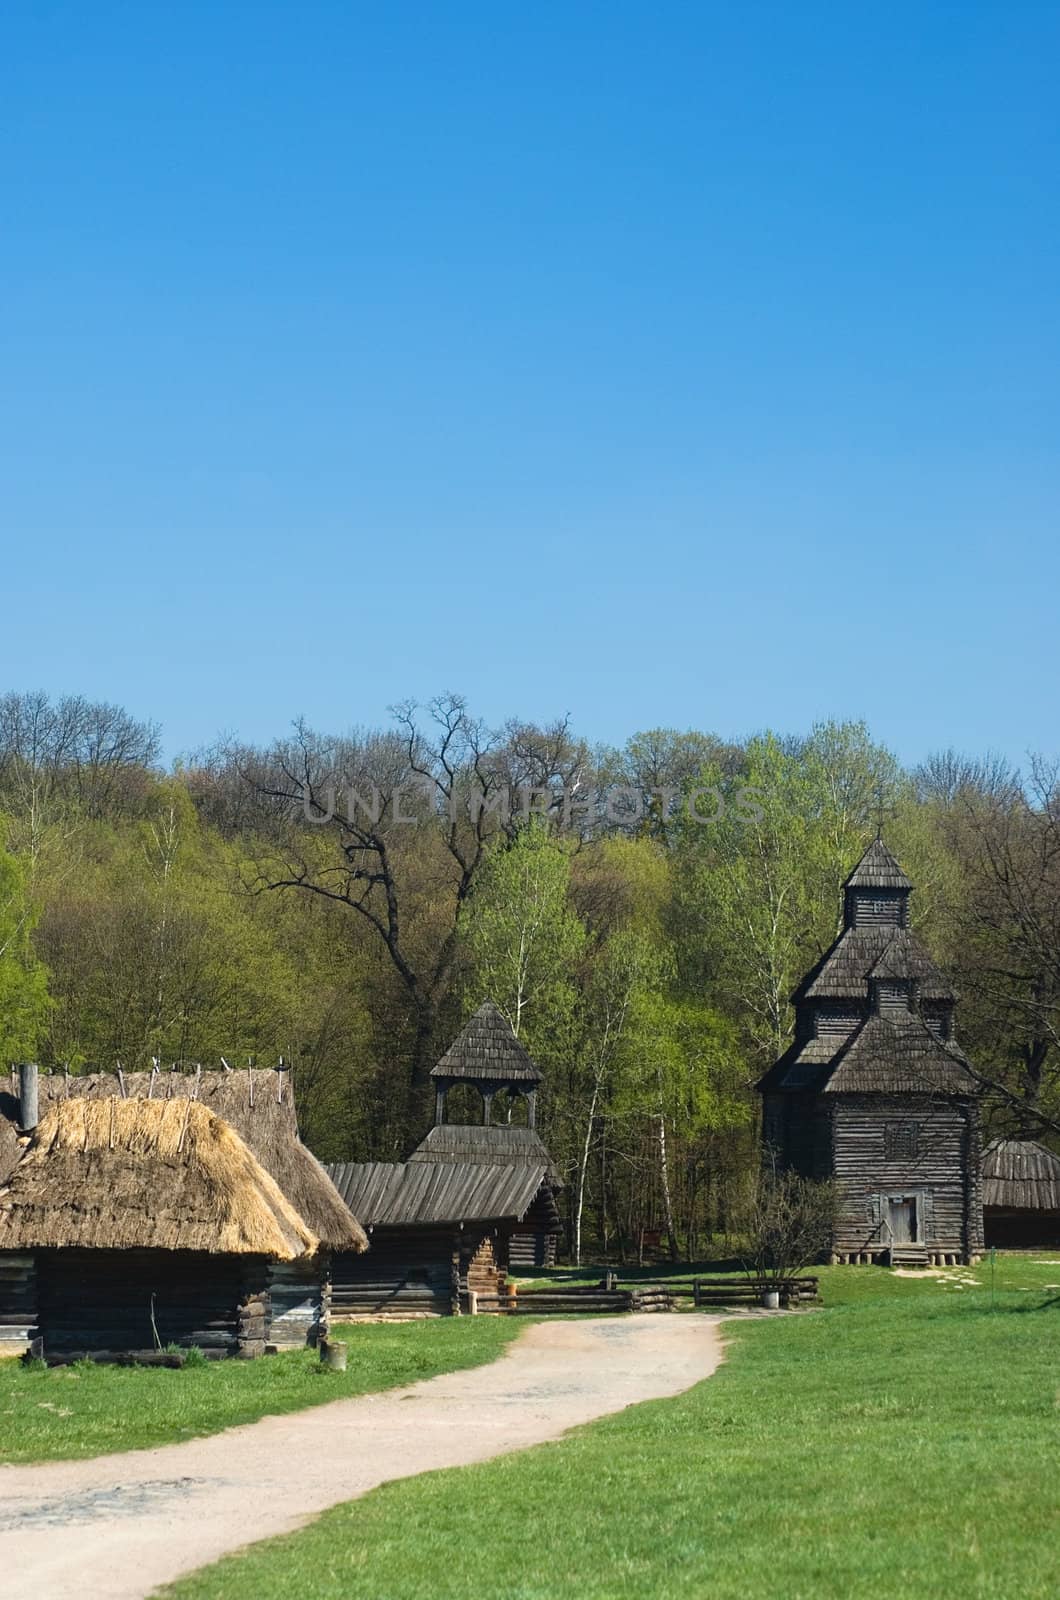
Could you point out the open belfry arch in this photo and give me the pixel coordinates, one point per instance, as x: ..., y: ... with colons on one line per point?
x: 874, y: 1091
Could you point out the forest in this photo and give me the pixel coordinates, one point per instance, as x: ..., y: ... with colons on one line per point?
x: 640, y: 914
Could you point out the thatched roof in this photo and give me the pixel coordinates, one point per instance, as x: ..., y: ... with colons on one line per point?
x: 1020, y: 1174
x: 878, y: 869
x: 259, y: 1105
x: 487, y: 1050
x: 403, y: 1194
x: 113, y: 1174
x: 10, y: 1148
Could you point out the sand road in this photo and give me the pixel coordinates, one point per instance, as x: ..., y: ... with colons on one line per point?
x: 116, y: 1527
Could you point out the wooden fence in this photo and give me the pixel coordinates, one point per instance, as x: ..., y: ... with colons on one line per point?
x: 610, y: 1296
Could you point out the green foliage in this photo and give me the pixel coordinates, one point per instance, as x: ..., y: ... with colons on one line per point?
x: 646, y: 962
x: 23, y: 979
x: 758, y: 888
x: 522, y: 937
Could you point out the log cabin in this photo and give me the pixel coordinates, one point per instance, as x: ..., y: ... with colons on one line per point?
x: 1021, y: 1195
x: 473, y: 1201
x: 130, y: 1225
x: 259, y: 1106
x: 874, y: 1091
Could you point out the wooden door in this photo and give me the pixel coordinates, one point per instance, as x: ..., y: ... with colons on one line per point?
x: 902, y: 1217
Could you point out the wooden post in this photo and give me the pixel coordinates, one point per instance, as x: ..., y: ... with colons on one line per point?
x: 472, y: 1302
x: 28, y: 1097
x: 333, y: 1354
x: 696, y: 1297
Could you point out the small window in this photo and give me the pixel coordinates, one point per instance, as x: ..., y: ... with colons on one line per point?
x: 892, y: 996
x: 938, y: 1021
x: 901, y: 1140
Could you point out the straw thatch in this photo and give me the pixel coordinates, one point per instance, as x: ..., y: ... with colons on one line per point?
x: 114, y: 1174
x: 260, y: 1106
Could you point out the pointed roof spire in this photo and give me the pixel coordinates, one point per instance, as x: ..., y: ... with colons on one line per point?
x: 487, y: 1050
x: 878, y: 869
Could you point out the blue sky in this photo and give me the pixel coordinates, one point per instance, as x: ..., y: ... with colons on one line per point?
x: 683, y: 365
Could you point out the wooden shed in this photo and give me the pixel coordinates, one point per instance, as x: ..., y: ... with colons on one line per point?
x: 260, y: 1107
x: 874, y: 1091
x: 130, y: 1224
x: 1021, y: 1195
x: 474, y: 1199
x: 438, y: 1233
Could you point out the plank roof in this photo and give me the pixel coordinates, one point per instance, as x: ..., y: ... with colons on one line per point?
x: 487, y: 1050
x: 1021, y: 1174
x: 404, y: 1193
x: 497, y: 1145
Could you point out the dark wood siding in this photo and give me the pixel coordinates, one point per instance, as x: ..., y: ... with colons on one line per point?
x: 18, y: 1303
x: 874, y: 908
x: 1010, y: 1228
x: 124, y: 1300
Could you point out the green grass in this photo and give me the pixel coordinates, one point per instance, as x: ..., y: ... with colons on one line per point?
x: 84, y: 1410
x: 900, y: 1444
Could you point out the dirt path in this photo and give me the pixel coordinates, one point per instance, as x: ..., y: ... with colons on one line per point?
x: 116, y: 1527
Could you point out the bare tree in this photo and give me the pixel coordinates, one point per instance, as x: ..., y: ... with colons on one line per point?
x: 789, y: 1221
x: 449, y: 775
x: 1004, y: 829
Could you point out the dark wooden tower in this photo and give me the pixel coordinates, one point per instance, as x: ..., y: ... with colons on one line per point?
x: 874, y: 1090
x: 487, y: 1055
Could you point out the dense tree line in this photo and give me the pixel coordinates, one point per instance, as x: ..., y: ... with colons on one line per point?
x: 640, y: 915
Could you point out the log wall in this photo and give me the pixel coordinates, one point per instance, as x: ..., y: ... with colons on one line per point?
x: 1011, y: 1228
x: 298, y: 1299
x: 115, y: 1300
x: 405, y: 1272
x: 917, y: 1146
x: 416, y: 1271
x: 18, y: 1304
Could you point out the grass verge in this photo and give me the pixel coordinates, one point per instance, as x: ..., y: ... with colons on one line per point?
x: 900, y: 1443
x: 67, y: 1413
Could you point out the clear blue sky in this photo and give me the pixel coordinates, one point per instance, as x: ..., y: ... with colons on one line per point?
x: 679, y: 364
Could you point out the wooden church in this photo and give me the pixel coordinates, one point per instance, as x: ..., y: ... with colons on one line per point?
x: 874, y: 1091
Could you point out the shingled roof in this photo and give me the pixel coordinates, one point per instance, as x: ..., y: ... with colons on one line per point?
x: 878, y: 869
x: 898, y: 1054
x: 487, y: 1050
x: 1020, y: 1174
x: 843, y: 972
x: 892, y: 1054
x: 259, y: 1105
x: 497, y: 1145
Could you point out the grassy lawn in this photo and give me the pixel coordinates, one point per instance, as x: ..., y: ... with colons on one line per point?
x: 901, y: 1443
x: 83, y: 1410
